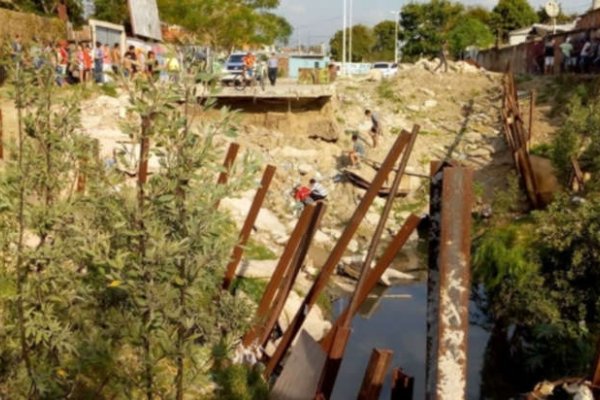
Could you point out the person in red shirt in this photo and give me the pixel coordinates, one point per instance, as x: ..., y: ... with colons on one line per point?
x: 302, y: 194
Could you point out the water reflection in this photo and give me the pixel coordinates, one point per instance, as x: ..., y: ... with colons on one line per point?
x: 395, y: 319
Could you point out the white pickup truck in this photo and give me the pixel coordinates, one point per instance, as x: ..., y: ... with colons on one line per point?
x: 387, y: 69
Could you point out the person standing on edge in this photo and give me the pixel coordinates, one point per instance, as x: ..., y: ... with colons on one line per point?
x: 376, y: 129
x: 116, y: 58
x: 273, y: 65
x: 549, y: 56
x: 566, y: 49
x: 98, y: 63
x: 443, y: 57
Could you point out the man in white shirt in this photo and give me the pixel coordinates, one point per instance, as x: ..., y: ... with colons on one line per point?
x: 273, y: 68
x: 317, y: 191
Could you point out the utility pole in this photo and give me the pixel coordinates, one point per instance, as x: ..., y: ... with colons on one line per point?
x: 397, y: 15
x: 344, y: 39
x: 350, y: 33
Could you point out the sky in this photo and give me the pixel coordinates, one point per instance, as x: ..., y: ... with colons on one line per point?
x: 315, y: 21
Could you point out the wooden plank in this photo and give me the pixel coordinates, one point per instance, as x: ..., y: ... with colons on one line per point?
x: 375, y: 374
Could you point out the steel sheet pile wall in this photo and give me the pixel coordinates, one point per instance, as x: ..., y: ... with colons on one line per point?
x: 518, y: 139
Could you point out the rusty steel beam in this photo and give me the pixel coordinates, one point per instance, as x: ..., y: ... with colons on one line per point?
x: 232, y: 153
x: 449, y: 327
x: 403, y: 386
x: 280, y: 271
x: 1, y: 136
x: 532, y: 100
x: 81, y: 177
x: 433, y: 272
x: 375, y: 374
x: 292, y: 274
x: 596, y: 371
x: 238, y: 250
x: 334, y: 359
x: 337, y: 253
x: 375, y: 274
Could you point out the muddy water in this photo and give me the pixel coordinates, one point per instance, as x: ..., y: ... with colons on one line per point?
x: 395, y: 319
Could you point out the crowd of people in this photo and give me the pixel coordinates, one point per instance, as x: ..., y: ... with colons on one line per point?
x: 77, y: 63
x: 578, y: 55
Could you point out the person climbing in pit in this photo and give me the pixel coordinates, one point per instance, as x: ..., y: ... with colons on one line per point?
x: 376, y: 129
x: 357, y: 153
x: 318, y: 192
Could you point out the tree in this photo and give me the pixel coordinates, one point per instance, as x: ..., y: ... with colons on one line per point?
x: 114, y: 11
x: 480, y: 13
x: 363, y: 41
x: 509, y: 15
x: 562, y: 18
x: 110, y: 287
x: 385, y: 41
x: 469, y: 32
x: 48, y: 7
x: 425, y: 26
x: 228, y: 23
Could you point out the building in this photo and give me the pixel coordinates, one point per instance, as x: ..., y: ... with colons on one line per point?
x: 535, y: 31
x: 305, y: 61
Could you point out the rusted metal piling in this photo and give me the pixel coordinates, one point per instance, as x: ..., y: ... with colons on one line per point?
x: 292, y: 273
x: 596, y: 373
x: 283, y: 265
x: 402, y: 385
x: 375, y: 274
x: 1, y: 136
x: 336, y: 254
x: 518, y: 138
x: 449, y: 281
x: 338, y: 347
x: 238, y: 251
x: 232, y: 153
x: 375, y: 374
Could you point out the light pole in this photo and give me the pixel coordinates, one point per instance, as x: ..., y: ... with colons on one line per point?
x: 397, y: 15
x: 344, y: 39
x: 350, y: 32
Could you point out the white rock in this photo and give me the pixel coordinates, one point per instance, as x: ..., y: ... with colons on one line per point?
x: 256, y: 269
x: 353, y: 246
x: 323, y: 239
x: 391, y: 275
x: 430, y: 104
x: 413, y: 108
x: 372, y: 218
x: 292, y: 152
x: 315, y: 323
x: 305, y: 169
x: 428, y: 92
x: 267, y: 221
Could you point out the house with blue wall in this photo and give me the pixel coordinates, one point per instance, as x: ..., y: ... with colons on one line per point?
x: 298, y: 61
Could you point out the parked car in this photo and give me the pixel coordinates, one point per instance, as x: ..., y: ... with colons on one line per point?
x: 387, y: 69
x: 235, y: 63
